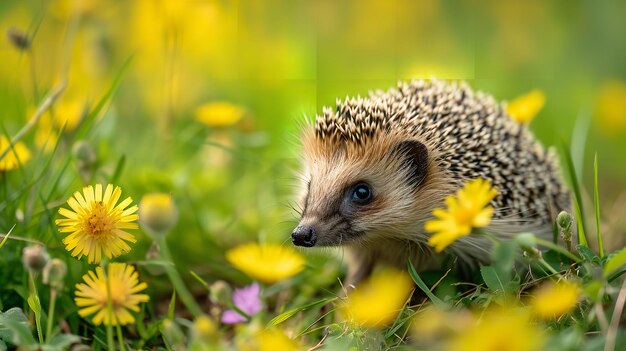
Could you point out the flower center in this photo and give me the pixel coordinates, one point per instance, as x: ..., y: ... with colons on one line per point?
x: 465, y: 216
x: 118, y: 293
x: 98, y: 222
x: 500, y: 345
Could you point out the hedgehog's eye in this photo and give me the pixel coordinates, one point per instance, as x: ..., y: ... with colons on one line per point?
x: 361, y: 193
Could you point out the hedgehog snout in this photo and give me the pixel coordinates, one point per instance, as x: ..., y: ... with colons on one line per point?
x: 304, y: 236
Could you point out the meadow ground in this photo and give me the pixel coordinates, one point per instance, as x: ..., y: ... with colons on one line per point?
x: 148, y: 156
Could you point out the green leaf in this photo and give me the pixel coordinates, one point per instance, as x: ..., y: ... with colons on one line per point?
x: 596, y: 201
x: 292, y: 312
x: 61, y: 342
x: 615, y: 262
x: 616, y: 274
x: 593, y: 289
x: 420, y: 283
x: 14, y: 328
x: 172, y: 307
x: 494, y: 281
x: 578, y: 204
x: 34, y: 303
x: 504, y: 258
x: 587, y: 254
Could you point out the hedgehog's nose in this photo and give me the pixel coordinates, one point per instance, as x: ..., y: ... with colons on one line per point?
x: 303, y: 236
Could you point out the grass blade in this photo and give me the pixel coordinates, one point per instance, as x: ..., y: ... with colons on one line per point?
x: 6, y: 237
x: 95, y: 111
x: 171, y: 309
x: 596, y: 201
x: 292, y: 312
x: 615, y: 262
x: 200, y: 280
x: 420, y: 283
x: 578, y: 204
x: 119, y: 168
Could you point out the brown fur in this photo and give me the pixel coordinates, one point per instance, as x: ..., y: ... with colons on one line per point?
x: 390, y: 217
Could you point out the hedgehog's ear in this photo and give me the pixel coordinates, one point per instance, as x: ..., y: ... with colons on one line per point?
x: 415, y: 158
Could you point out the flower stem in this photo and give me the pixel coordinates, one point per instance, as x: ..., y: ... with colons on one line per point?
x: 53, y: 300
x: 35, y: 305
x: 110, y: 341
x: 33, y: 75
x: 558, y: 249
x: 238, y: 310
x: 548, y: 266
x: 120, y: 338
x: 45, y: 105
x: 177, y: 281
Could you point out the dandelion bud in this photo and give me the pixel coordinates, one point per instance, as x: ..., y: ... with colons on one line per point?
x: 526, y: 241
x: 220, y: 292
x: 532, y: 253
x: 19, y: 215
x: 204, y: 329
x: 35, y: 258
x: 54, y: 273
x: 84, y: 153
x: 564, y: 221
x: 18, y: 38
x: 157, y: 213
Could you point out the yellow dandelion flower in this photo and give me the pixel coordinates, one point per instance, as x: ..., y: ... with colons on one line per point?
x: 18, y: 154
x: 377, y: 301
x: 204, y: 329
x: 553, y: 300
x: 274, y: 340
x: 610, y: 107
x: 524, y: 108
x: 433, y: 322
x: 268, y: 263
x: 68, y: 114
x: 97, y: 223
x: 429, y: 322
x: 503, y: 329
x: 65, y: 9
x: 93, y: 295
x: 469, y: 209
x: 265, y: 340
x: 219, y: 114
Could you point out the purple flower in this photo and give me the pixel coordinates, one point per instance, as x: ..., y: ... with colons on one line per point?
x: 247, y: 299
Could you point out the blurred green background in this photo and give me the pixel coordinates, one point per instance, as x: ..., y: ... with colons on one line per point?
x: 281, y: 61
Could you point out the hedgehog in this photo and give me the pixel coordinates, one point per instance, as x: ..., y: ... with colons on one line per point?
x: 374, y: 169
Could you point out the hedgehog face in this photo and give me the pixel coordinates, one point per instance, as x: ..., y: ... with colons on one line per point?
x: 354, y: 192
